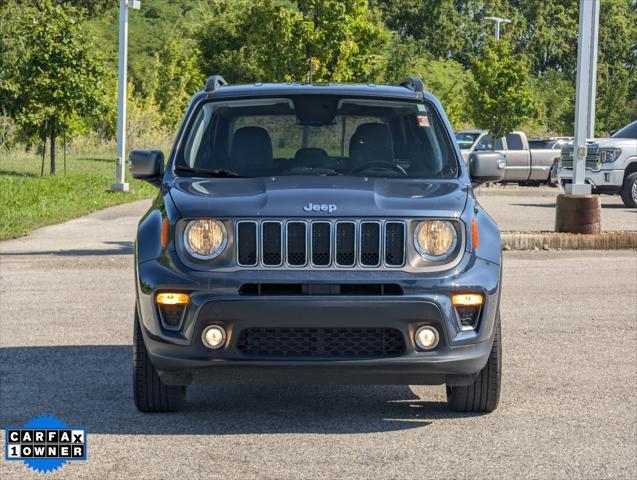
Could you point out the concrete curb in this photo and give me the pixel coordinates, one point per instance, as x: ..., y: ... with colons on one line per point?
x: 519, y: 192
x: 568, y: 241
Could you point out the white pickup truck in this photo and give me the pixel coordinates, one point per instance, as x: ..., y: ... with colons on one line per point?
x: 523, y: 165
x: 611, y: 164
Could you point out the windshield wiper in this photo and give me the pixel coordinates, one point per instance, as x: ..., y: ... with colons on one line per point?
x: 218, y: 172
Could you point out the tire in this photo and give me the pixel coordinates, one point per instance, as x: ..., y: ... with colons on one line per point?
x: 150, y: 393
x: 484, y: 394
x: 629, y: 190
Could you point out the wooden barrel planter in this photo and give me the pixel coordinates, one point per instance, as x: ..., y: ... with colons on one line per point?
x: 578, y: 214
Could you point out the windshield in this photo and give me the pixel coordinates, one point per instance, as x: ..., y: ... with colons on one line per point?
x: 543, y: 144
x: 316, y: 135
x: 465, y: 140
x: 629, y: 131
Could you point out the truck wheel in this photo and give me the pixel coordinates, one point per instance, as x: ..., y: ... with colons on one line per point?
x: 151, y: 394
x: 629, y: 190
x: 484, y: 394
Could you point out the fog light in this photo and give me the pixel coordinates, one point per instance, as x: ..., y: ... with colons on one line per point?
x: 214, y: 337
x: 426, y: 337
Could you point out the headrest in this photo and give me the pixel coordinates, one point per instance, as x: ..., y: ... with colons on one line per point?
x: 311, y: 157
x: 251, y: 148
x: 371, y: 142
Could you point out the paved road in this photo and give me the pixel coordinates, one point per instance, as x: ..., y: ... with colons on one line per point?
x: 568, y: 410
x: 532, y: 208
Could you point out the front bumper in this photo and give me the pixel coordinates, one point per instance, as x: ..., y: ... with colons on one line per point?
x: 602, y: 180
x: 181, y: 358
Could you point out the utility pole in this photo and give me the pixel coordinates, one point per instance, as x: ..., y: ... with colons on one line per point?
x: 578, y: 211
x: 120, y: 184
x: 585, y: 92
x: 498, y: 21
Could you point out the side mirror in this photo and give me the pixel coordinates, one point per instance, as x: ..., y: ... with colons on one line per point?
x: 486, y: 167
x: 147, y: 165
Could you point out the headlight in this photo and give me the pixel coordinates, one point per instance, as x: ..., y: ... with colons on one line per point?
x: 608, y: 155
x: 205, y: 239
x: 435, y: 239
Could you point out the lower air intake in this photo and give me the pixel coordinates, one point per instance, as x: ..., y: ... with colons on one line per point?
x: 321, y: 342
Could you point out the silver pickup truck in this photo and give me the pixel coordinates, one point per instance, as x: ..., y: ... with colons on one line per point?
x: 523, y: 165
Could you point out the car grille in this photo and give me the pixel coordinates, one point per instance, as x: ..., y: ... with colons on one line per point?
x: 321, y: 342
x: 592, y: 160
x: 321, y: 243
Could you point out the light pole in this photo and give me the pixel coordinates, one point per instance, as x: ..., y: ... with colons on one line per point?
x: 578, y: 211
x: 498, y: 21
x: 120, y: 184
x: 585, y: 92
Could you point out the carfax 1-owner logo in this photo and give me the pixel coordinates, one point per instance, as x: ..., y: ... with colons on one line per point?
x: 45, y: 443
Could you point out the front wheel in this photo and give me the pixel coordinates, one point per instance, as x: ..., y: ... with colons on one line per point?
x: 629, y: 191
x: 151, y: 394
x: 483, y: 395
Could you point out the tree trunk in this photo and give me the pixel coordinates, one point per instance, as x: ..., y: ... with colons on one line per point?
x: 53, y: 154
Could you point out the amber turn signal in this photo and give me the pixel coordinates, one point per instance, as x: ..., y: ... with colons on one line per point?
x: 474, y: 233
x: 164, y: 233
x: 467, y: 300
x: 172, y: 298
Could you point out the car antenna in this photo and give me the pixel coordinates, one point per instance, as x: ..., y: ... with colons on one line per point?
x: 309, y: 68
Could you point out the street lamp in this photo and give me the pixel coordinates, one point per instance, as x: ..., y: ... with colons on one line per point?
x: 120, y: 184
x: 498, y: 21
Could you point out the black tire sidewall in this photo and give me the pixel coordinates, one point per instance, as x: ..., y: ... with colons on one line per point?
x: 626, y: 192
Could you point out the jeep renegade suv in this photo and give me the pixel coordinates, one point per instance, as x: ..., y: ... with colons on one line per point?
x: 316, y: 233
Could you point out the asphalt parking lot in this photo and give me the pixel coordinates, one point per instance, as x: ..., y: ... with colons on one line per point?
x: 568, y: 408
x: 532, y: 208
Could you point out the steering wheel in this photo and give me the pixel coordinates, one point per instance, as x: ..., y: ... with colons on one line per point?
x: 381, y: 165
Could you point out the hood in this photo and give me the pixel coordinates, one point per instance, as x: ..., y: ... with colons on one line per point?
x: 303, y: 196
x: 613, y: 142
x: 593, y: 144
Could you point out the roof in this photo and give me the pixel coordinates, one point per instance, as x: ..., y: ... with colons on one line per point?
x: 268, y: 89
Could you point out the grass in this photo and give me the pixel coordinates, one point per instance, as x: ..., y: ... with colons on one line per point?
x: 29, y: 201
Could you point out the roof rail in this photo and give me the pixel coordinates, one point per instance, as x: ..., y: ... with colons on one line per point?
x: 214, y: 82
x: 414, y: 83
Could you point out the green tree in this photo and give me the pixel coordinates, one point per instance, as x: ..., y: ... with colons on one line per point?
x: 501, y: 96
x: 177, y: 77
x: 445, y: 78
x: 450, y: 82
x: 555, y: 95
x: 59, y: 73
x: 550, y: 34
x: 11, y: 44
x: 617, y: 65
x: 222, y: 38
x: 431, y: 25
x: 94, y: 8
x: 343, y: 39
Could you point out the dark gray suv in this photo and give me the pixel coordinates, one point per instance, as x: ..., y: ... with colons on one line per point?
x: 316, y: 234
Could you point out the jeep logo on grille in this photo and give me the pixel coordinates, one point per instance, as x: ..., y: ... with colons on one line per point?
x: 323, y: 207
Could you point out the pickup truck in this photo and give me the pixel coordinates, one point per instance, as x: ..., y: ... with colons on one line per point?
x: 611, y: 164
x: 524, y: 165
